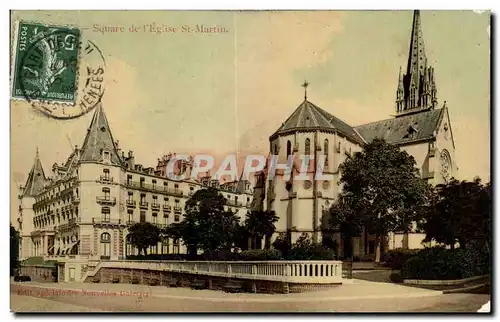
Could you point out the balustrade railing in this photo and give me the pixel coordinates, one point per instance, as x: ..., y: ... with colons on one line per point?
x: 155, y: 187
x: 311, y: 272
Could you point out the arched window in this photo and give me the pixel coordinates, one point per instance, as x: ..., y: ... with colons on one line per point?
x: 326, y: 152
x: 308, y: 147
x: 105, y: 245
x: 275, y: 149
x: 288, y: 148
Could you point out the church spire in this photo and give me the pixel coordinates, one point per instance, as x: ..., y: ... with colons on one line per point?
x: 418, y: 82
x: 417, y: 60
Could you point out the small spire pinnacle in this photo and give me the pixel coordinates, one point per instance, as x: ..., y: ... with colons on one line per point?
x: 305, y: 89
x: 37, y: 155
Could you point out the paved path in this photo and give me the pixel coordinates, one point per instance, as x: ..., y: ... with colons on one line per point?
x: 361, y: 296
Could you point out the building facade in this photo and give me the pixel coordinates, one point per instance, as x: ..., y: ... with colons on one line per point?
x: 87, y: 205
x: 420, y: 126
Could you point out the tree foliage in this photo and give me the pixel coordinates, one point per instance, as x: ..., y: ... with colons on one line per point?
x: 381, y: 190
x: 460, y: 212
x: 14, y: 250
x: 144, y: 234
x: 260, y: 224
x: 206, y: 224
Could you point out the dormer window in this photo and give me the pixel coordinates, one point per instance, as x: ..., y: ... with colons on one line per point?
x: 106, y: 156
x: 412, y: 132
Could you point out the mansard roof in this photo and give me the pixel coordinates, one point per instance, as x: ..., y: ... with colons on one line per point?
x: 310, y: 117
x: 397, y: 130
x: 36, y: 178
x: 99, y: 138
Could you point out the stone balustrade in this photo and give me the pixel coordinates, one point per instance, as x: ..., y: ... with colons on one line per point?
x: 299, y: 272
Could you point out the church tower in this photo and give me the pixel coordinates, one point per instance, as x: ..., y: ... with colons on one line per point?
x: 416, y: 89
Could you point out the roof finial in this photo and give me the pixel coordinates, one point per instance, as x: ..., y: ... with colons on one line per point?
x: 305, y: 89
x: 37, y: 153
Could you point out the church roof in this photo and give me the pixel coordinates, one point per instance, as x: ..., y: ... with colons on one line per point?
x: 397, y: 130
x: 36, y: 178
x: 99, y: 138
x: 310, y: 117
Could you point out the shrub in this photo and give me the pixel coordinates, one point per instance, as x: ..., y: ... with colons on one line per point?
x: 260, y: 255
x: 396, y: 277
x: 304, y: 249
x: 444, y: 264
x: 397, y: 257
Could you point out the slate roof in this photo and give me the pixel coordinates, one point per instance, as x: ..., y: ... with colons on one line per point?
x: 396, y: 130
x: 36, y: 178
x: 308, y: 116
x: 99, y: 138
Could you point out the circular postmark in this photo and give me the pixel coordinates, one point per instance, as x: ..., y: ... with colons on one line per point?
x: 59, y: 75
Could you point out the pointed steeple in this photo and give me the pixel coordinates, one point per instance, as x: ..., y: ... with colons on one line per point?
x: 99, y: 144
x: 417, y: 60
x: 36, y: 178
x: 418, y: 82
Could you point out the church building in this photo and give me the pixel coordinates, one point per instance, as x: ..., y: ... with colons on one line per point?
x: 420, y: 126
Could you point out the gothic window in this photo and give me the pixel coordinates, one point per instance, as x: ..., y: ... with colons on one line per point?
x: 155, y: 218
x: 106, y: 155
x: 105, y: 214
x: 130, y: 196
x: 106, y: 174
x: 155, y: 200
x: 105, y: 245
x: 154, y: 184
x: 308, y: 147
x: 165, y: 200
x: 288, y: 148
x: 142, y: 181
x: 325, y: 148
x: 142, y: 216
x: 130, y: 215
x: 129, y: 179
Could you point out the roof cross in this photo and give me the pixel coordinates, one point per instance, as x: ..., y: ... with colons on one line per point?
x: 305, y: 89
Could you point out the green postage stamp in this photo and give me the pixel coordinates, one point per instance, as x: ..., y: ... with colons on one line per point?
x: 45, y: 63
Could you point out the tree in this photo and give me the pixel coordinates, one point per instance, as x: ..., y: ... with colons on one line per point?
x: 283, y: 244
x: 260, y: 224
x: 460, y: 212
x: 144, y: 234
x: 345, y: 217
x: 14, y: 250
x: 383, y: 187
x: 206, y: 224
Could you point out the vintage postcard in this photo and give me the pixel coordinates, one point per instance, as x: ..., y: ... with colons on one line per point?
x: 309, y: 161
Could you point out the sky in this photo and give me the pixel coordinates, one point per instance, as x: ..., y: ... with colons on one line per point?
x: 228, y: 92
